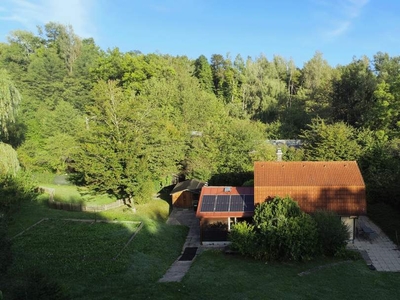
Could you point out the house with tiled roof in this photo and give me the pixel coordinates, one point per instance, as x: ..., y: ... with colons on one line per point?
x: 335, y: 185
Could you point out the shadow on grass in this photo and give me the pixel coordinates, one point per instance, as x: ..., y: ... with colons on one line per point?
x: 78, y: 256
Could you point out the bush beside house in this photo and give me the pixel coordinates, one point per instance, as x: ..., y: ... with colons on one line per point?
x: 281, y: 231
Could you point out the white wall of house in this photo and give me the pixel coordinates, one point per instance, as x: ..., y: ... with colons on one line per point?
x: 351, y: 225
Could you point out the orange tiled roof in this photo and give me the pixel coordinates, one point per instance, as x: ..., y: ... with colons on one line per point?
x: 307, y: 173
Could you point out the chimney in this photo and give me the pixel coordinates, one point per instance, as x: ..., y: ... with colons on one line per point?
x: 279, y: 154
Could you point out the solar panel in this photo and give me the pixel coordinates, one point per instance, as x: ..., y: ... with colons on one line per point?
x: 208, y: 203
x: 222, y: 203
x: 249, y: 203
x: 237, y: 203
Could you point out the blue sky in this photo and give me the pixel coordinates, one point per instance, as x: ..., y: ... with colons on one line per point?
x: 340, y: 29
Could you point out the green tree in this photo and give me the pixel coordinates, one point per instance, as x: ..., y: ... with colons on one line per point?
x: 202, y: 70
x: 325, y: 142
x: 9, y: 101
x: 125, y: 145
x: 9, y: 164
x: 353, y: 92
x: 317, y: 77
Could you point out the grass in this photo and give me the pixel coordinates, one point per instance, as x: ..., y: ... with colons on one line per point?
x: 218, y: 276
x: 79, y: 256
x: 73, y: 194
x: 387, y: 218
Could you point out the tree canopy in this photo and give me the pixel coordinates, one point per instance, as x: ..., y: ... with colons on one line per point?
x: 127, y: 122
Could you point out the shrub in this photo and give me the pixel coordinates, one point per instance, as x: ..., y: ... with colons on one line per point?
x: 286, y: 234
x: 242, y: 237
x: 281, y: 231
x: 14, y: 190
x: 333, y: 234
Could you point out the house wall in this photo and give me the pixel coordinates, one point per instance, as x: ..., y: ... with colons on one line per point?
x: 351, y: 223
x: 182, y: 199
x: 343, y: 200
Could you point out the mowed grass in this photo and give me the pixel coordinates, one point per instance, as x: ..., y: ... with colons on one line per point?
x: 80, y: 257
x: 73, y: 194
x: 218, y: 276
x: 71, y: 249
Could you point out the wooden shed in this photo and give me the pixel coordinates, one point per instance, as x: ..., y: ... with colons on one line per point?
x: 335, y: 185
x: 185, y: 194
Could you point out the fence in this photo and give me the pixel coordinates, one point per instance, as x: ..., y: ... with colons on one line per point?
x: 83, y: 207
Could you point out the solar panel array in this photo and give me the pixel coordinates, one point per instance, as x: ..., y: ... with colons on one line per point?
x: 227, y: 203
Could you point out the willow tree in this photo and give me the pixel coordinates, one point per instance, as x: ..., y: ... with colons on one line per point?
x: 9, y: 100
x: 9, y: 164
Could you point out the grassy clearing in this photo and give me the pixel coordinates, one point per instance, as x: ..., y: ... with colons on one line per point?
x: 73, y: 194
x: 387, y: 218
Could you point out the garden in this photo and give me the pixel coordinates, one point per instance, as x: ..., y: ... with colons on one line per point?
x: 76, y: 260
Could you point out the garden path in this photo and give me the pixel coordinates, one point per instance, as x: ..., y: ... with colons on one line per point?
x: 188, y: 218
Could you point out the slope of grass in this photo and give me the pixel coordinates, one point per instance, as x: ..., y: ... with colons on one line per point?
x: 80, y: 256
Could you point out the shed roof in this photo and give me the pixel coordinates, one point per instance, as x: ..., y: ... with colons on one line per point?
x: 192, y: 185
x: 223, y: 201
x: 307, y: 173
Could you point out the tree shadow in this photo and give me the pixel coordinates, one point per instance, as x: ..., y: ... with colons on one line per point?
x: 68, y: 255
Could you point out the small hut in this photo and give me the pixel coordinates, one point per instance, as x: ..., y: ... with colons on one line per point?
x: 186, y: 193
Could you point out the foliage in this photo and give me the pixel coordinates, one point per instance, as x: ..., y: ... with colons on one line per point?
x: 286, y: 233
x: 231, y: 104
x: 9, y: 164
x: 333, y: 234
x: 387, y: 218
x: 380, y: 166
x: 281, y: 231
x: 327, y: 142
x: 353, y: 92
x: 243, y: 238
x: 9, y: 101
x: 14, y: 190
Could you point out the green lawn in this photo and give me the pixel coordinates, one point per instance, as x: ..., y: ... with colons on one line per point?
x: 80, y: 257
x: 73, y: 194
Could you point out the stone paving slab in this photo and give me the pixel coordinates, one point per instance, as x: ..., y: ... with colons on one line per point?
x: 176, y: 272
x: 383, y: 254
x: 188, y: 218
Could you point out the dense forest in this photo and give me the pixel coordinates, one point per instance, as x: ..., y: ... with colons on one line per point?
x: 127, y: 123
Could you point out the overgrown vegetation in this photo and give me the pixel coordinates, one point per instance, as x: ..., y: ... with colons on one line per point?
x: 281, y: 231
x: 333, y: 234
